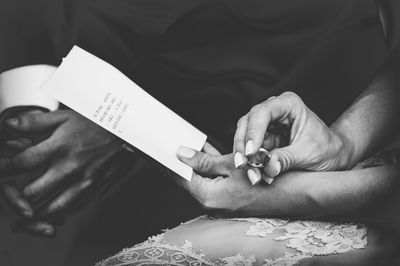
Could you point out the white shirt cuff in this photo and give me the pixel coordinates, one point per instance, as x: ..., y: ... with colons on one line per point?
x: 20, y: 87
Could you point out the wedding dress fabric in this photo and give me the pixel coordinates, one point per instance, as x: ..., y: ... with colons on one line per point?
x: 302, y: 239
x: 249, y: 241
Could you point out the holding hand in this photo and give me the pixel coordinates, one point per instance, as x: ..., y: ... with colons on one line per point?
x: 216, y: 183
x: 311, y: 145
x: 77, y: 158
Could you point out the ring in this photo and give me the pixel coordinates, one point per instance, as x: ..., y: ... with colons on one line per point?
x: 265, y: 154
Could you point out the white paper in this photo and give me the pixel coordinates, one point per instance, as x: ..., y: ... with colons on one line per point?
x: 104, y: 95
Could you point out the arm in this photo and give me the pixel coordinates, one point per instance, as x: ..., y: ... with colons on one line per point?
x: 355, y: 194
x: 372, y: 119
x: 370, y: 194
x: 362, y: 129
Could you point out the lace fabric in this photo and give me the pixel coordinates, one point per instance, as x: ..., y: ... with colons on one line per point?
x: 302, y: 239
x: 309, y: 238
x: 305, y: 239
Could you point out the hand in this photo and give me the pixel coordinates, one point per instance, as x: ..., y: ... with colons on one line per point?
x: 11, y: 144
x: 310, y: 145
x: 216, y: 183
x: 80, y: 158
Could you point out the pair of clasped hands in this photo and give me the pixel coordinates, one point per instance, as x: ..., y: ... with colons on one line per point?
x: 52, y: 163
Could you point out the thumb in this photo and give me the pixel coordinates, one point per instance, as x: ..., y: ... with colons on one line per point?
x: 282, y: 159
x: 202, y: 163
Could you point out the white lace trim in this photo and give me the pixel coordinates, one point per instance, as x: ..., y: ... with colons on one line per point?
x: 154, y: 251
x: 309, y: 238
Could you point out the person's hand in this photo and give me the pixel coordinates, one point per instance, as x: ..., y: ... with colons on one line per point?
x: 12, y: 143
x: 79, y: 157
x: 310, y: 144
x: 216, y: 184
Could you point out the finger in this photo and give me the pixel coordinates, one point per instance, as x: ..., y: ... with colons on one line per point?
x: 16, y: 201
x: 282, y: 160
x: 36, y: 122
x: 36, y: 228
x: 269, y: 141
x: 50, y: 181
x: 31, y: 157
x: 208, y: 148
x: 203, y: 163
x: 203, y: 189
x: 254, y: 175
x: 267, y: 179
x: 18, y: 144
x: 98, y: 179
x: 13, y: 147
x: 256, y: 127
x: 262, y: 115
x: 67, y: 199
x: 238, y: 142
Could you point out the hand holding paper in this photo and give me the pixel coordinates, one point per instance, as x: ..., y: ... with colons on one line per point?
x: 104, y: 95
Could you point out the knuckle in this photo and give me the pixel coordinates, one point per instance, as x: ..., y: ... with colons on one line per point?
x: 241, y: 120
x: 56, y: 207
x: 256, y: 109
x: 72, y: 165
x: 25, y: 121
x: 87, y: 183
x: 204, y: 162
x: 288, y: 159
x: 61, y: 148
x: 251, y: 133
x: 291, y: 96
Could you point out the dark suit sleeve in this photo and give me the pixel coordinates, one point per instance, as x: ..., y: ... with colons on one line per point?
x: 31, y: 32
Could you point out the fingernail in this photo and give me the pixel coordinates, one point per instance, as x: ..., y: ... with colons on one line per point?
x: 269, y: 180
x: 239, y: 159
x: 87, y: 183
x: 185, y: 152
x: 48, y: 232
x: 249, y: 148
x: 278, y: 168
x: 27, y: 214
x: 253, y: 177
x: 13, y: 122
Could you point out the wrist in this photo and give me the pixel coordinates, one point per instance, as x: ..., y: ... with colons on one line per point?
x: 346, y: 151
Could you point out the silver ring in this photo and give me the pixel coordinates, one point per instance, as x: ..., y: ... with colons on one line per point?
x: 263, y: 163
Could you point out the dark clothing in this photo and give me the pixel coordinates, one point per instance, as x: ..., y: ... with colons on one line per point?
x: 210, y: 60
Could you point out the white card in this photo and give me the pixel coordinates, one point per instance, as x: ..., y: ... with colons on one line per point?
x: 100, y: 92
